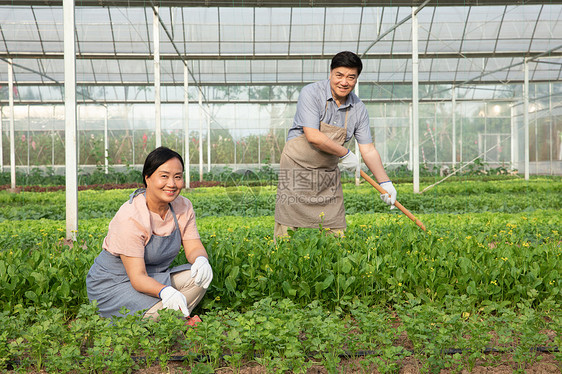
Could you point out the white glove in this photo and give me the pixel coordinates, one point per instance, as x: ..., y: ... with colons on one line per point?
x: 202, y: 271
x: 173, y: 299
x: 349, y: 161
x: 389, y: 187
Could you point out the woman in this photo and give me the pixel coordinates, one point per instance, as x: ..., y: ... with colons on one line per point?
x: 145, y: 236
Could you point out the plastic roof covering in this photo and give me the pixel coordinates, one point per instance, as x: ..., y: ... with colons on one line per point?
x: 283, y: 45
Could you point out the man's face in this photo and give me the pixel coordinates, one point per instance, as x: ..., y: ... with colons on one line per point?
x: 342, y: 82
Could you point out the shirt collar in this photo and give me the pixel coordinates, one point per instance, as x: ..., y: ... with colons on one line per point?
x: 349, y: 100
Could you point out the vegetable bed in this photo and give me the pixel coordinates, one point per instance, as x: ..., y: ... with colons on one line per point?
x: 481, y: 289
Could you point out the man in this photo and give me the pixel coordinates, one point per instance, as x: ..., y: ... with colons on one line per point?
x: 329, y: 114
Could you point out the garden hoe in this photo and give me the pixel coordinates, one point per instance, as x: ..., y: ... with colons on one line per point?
x: 396, y: 204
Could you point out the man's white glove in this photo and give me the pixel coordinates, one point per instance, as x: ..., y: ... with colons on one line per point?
x: 389, y: 187
x: 349, y: 161
x: 202, y: 271
x: 173, y: 299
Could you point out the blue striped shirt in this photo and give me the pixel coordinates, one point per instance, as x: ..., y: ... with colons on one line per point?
x: 311, y: 110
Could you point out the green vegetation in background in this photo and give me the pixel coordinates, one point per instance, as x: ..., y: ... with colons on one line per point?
x: 508, y: 196
x: 227, y: 176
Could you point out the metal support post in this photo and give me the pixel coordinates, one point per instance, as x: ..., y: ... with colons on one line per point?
x: 526, y: 116
x: 200, y: 135
x: 12, y: 126
x: 70, y: 129
x: 415, y: 112
x: 186, y: 126
x: 157, y: 106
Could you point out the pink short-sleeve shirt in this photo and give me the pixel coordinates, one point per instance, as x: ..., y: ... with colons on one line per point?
x: 133, y: 225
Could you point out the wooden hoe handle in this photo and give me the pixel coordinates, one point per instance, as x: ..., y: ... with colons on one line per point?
x: 396, y: 204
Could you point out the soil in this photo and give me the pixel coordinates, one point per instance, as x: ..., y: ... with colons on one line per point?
x: 496, y: 364
x: 410, y: 365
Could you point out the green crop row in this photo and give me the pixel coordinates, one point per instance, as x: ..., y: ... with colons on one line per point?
x: 386, y: 258
x: 383, y: 259
x: 281, y: 336
x: 508, y: 196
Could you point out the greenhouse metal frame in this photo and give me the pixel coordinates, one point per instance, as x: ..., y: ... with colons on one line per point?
x: 445, y: 82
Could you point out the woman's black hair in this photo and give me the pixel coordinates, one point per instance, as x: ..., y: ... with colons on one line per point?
x: 155, y: 159
x: 348, y: 60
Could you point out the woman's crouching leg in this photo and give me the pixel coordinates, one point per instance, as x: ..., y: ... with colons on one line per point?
x: 184, y: 283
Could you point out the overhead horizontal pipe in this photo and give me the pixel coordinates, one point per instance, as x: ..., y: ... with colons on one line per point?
x: 268, y: 57
x: 275, y: 3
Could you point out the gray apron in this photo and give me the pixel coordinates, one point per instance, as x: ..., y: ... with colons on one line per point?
x: 309, y: 191
x: 108, y: 282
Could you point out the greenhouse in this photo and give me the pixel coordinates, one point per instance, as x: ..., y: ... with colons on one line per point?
x: 220, y: 82
x: 464, y: 103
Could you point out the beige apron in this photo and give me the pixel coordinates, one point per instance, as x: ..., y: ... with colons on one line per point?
x: 309, y: 190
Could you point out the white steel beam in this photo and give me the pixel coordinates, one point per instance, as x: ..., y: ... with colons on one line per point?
x: 415, y: 99
x: 12, y: 126
x: 514, y: 141
x: 106, y: 141
x: 200, y: 135
x: 208, y: 117
x: 526, y: 116
x: 186, y: 126
x: 70, y: 128
x: 410, y: 139
x: 157, y: 106
x: 454, y: 127
x: 358, y: 168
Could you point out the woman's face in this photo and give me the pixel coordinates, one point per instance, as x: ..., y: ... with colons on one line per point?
x: 166, y: 182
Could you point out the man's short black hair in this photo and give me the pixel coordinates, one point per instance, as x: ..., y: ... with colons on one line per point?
x: 347, y: 59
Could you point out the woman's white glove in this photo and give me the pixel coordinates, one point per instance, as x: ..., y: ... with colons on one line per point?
x: 173, y: 299
x: 390, y: 197
x: 202, y: 271
x: 349, y: 161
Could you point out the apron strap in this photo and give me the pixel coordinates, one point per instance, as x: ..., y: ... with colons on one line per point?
x: 175, y: 218
x: 138, y: 191
x: 346, y: 114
